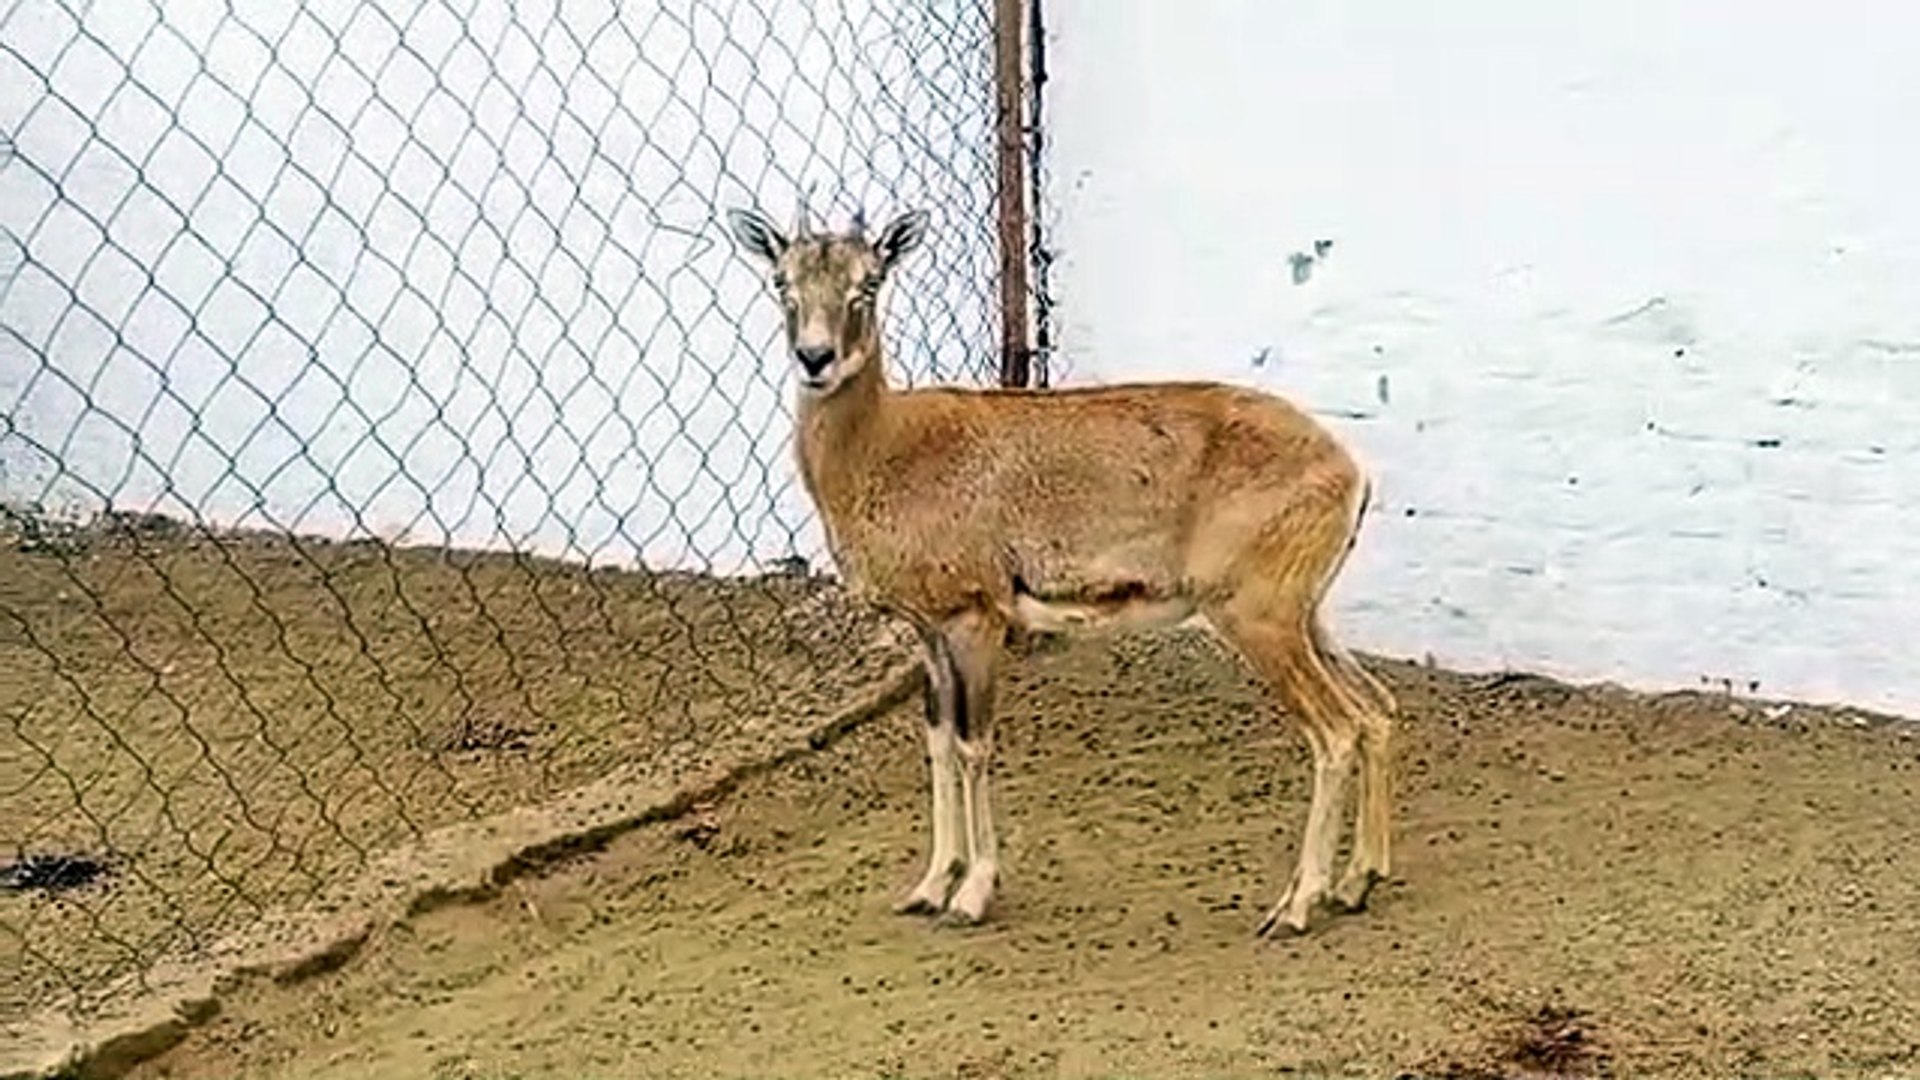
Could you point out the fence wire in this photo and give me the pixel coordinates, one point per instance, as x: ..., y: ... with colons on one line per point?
x: 392, y: 435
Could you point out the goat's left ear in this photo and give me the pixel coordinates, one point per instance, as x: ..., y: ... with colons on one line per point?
x: 756, y: 234
x: 901, y: 236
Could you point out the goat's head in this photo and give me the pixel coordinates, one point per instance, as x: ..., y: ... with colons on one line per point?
x: 829, y: 287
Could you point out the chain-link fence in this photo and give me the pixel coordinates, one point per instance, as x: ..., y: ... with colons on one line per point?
x: 391, y: 433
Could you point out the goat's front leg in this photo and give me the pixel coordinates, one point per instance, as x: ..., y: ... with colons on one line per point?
x: 948, y: 860
x: 974, y: 642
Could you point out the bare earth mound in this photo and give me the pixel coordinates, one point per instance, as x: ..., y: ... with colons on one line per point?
x: 1588, y: 883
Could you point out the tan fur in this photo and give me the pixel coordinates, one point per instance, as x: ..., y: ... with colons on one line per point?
x: 973, y: 512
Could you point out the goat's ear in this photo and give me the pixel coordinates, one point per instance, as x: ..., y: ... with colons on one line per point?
x: 901, y: 236
x: 756, y: 234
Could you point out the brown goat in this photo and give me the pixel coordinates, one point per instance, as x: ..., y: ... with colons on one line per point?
x: 972, y: 512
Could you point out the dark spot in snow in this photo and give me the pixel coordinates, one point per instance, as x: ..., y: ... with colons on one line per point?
x: 1302, y: 266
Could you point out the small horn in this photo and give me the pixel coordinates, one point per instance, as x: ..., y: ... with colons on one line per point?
x: 860, y: 221
x: 804, y: 227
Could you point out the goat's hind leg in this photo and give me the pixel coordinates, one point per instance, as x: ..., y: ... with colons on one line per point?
x: 1374, y: 707
x: 1271, y: 629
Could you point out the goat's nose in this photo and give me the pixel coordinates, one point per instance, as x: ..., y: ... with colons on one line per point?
x: 814, y: 358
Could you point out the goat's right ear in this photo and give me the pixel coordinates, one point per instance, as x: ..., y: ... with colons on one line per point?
x: 901, y: 236
x: 756, y: 234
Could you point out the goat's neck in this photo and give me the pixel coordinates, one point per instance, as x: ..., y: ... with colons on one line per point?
x: 837, y: 432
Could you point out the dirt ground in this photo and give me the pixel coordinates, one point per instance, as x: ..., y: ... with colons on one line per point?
x: 219, y: 723
x: 1587, y: 882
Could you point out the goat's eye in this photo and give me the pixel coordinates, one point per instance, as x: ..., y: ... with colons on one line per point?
x: 867, y: 291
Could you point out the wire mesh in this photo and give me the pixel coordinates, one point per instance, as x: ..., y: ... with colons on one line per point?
x: 389, y: 433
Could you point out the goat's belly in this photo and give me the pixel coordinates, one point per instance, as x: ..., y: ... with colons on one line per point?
x: 1123, y: 584
x: 1062, y: 616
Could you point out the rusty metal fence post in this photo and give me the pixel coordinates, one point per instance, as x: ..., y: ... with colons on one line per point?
x: 1040, y: 255
x: 1016, y: 352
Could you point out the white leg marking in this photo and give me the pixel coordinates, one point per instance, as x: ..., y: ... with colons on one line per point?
x: 970, y: 900
x: 948, y: 857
